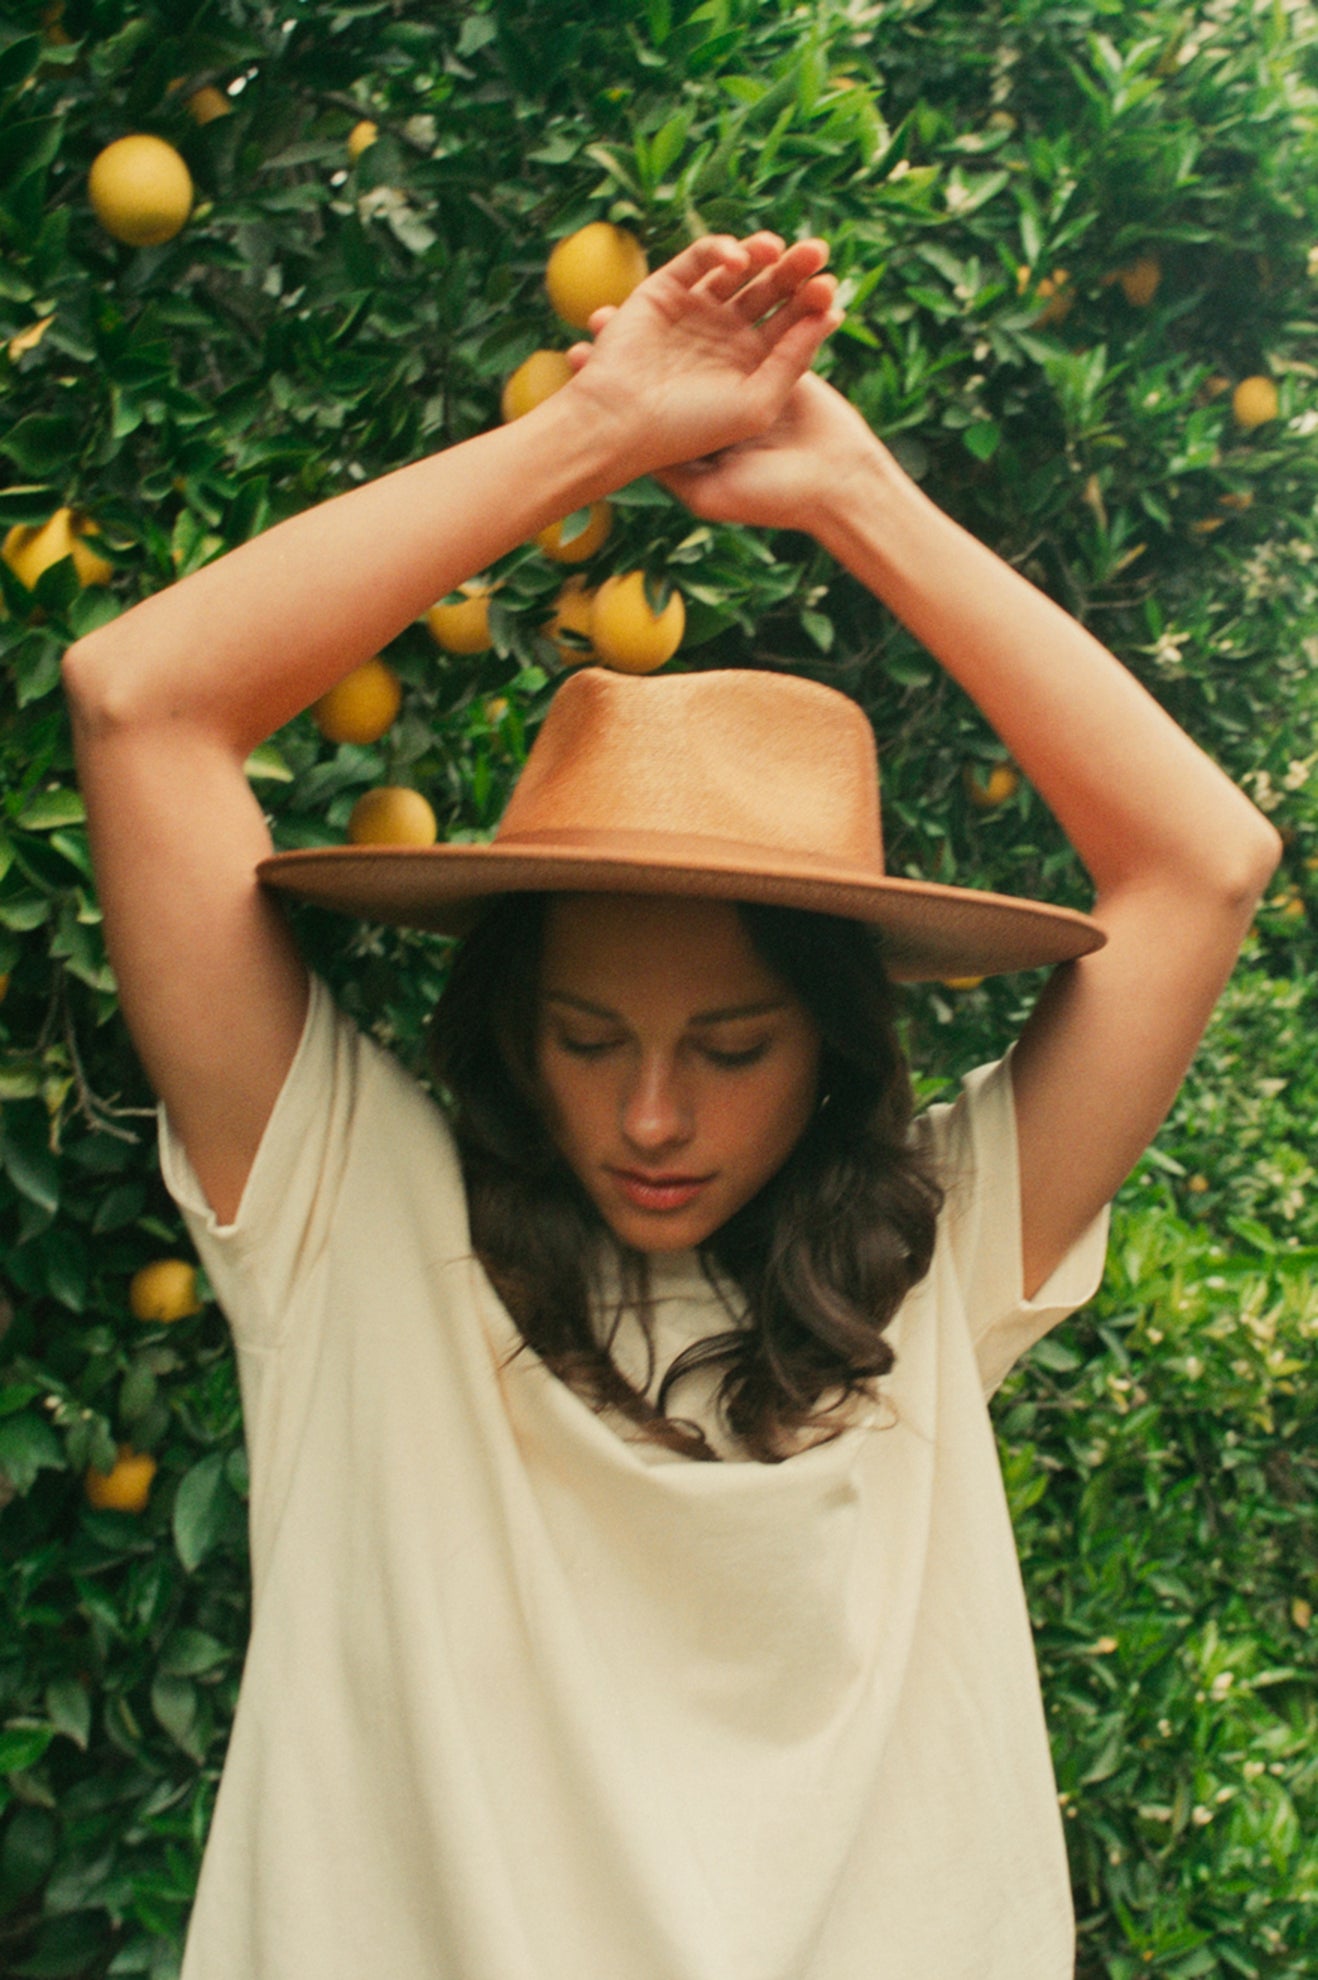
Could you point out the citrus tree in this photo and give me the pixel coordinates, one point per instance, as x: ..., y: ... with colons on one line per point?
x: 254, y: 257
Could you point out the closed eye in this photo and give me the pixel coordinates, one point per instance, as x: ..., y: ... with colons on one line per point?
x: 726, y: 1061
x: 585, y: 1048
x: 729, y: 1061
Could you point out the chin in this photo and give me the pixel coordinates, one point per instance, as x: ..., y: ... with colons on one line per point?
x: 658, y: 1233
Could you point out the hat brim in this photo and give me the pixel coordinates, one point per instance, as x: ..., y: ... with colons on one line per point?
x: 930, y: 930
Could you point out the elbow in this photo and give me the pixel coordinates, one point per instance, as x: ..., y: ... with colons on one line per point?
x: 1243, y: 870
x: 96, y: 687
x: 1259, y: 859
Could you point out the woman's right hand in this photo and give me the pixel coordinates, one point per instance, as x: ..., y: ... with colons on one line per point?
x: 790, y: 476
x: 704, y: 354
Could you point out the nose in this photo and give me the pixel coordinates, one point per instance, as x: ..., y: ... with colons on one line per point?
x: 656, y: 1110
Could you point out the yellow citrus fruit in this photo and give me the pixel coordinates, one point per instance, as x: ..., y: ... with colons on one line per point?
x: 961, y: 982
x: 361, y: 707
x: 126, y: 1486
x: 1244, y: 499
x: 1254, y: 402
x: 572, y: 613
x: 463, y: 627
x: 392, y: 815
x: 1056, y: 292
x: 584, y: 544
x: 140, y: 190
x: 598, y: 264
x: 1139, y: 282
x: 31, y: 548
x: 360, y: 136
x: 987, y: 793
x: 208, y: 103
x: 1198, y: 1185
x: 165, y: 1290
x: 626, y: 634
x: 496, y: 708
x: 536, y: 379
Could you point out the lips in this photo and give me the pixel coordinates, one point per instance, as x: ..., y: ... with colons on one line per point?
x: 658, y: 1193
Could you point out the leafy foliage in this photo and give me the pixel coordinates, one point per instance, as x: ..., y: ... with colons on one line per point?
x: 319, y: 320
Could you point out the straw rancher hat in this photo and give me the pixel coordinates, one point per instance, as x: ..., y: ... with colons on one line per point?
x: 733, y: 785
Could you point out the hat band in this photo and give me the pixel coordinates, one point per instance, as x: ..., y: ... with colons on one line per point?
x: 675, y: 848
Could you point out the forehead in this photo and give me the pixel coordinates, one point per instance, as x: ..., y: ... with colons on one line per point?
x: 621, y: 949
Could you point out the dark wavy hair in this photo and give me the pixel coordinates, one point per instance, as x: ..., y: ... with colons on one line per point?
x: 822, y: 1256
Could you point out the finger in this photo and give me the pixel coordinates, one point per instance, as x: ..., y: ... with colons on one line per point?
x: 579, y: 354
x: 703, y: 257
x: 799, y: 265
x: 763, y: 250
x: 794, y: 353
x: 815, y: 297
x: 599, y: 317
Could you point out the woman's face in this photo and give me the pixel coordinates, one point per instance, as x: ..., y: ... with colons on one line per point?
x: 678, y: 1071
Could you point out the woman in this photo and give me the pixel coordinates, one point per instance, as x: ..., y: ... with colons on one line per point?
x: 525, y: 1695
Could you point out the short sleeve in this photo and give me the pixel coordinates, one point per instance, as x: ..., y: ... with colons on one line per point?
x: 973, y: 1143
x: 257, y: 1263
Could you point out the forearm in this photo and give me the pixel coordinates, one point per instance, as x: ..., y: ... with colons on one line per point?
x: 1137, y: 799
x: 244, y: 644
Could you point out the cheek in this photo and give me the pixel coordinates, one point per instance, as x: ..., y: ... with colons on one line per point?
x: 771, y: 1121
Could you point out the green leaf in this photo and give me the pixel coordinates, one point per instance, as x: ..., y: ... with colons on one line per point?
x: 189, y: 1652
x: 48, y: 809
x: 820, y: 629
x: 28, y: 1445
x: 69, y: 1709
x: 22, y: 1746
x: 19, y: 1081
x: 44, y: 443
x: 666, y: 145
x: 33, y: 1172
x: 201, y: 1510
x: 174, y: 1702
x: 26, y: 148
x: 982, y: 439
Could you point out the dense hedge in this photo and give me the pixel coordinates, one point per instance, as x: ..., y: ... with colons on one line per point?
x: 984, y: 171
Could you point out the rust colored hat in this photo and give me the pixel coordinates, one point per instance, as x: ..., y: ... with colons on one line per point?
x: 731, y: 785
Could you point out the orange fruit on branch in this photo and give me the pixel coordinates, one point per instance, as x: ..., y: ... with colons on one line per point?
x: 600, y: 264
x: 627, y: 633
x: 360, y: 707
x: 392, y: 815
x: 126, y: 1487
x: 165, y: 1290
x: 140, y: 190
x: 31, y: 548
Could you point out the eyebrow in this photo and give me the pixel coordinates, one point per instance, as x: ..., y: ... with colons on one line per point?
x: 723, y: 1016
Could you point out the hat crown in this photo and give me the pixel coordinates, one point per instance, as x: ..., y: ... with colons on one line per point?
x: 738, y: 756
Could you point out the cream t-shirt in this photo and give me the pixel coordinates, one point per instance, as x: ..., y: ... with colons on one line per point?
x: 527, y: 1700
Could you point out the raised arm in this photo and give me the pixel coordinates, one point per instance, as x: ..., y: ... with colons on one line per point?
x: 1178, y: 856
x: 169, y: 699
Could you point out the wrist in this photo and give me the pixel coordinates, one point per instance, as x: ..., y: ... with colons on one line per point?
x: 870, y: 511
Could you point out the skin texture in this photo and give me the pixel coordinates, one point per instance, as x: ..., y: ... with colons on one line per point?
x: 671, y: 1112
